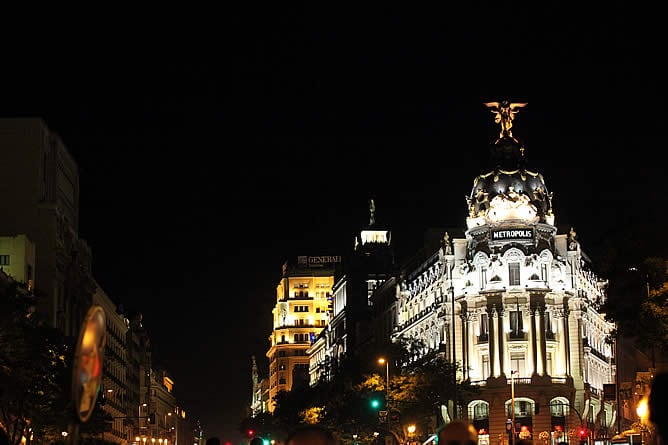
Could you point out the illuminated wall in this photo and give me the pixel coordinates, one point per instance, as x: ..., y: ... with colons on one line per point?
x: 300, y: 314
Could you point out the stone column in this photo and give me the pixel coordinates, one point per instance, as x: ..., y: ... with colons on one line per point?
x: 493, y: 343
x: 543, y: 341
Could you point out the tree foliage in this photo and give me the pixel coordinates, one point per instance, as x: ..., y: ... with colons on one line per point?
x: 418, y: 384
x: 636, y: 302
x: 34, y: 371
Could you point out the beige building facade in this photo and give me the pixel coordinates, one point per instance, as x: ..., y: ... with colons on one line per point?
x: 300, y: 314
x: 17, y: 258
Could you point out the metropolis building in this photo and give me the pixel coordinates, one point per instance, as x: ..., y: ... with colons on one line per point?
x: 517, y: 306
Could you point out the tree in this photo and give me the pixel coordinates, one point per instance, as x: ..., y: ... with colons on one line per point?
x: 422, y: 381
x: 34, y: 369
x: 637, y: 298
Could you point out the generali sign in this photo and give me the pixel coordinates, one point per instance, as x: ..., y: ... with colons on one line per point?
x: 313, y: 260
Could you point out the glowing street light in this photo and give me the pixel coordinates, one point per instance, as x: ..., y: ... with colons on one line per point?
x: 385, y: 362
x: 642, y: 411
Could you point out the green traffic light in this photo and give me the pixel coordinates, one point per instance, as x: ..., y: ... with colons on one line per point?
x: 265, y: 442
x: 375, y: 403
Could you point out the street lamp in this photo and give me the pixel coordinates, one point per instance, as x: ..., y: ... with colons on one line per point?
x: 382, y: 361
x: 411, y: 430
x: 509, y: 429
x: 165, y: 422
x: 139, y: 418
x: 642, y: 410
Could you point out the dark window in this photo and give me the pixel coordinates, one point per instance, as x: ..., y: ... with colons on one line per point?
x: 516, y: 324
x: 514, y: 274
x: 543, y: 272
x: 4, y: 260
x: 481, y: 411
x: 484, y: 327
x: 548, y: 326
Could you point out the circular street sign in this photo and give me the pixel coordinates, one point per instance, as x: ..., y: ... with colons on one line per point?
x: 88, y: 359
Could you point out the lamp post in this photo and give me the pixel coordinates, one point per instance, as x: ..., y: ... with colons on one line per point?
x: 384, y: 361
x: 512, y: 401
x: 139, y: 418
x: 454, y: 343
x: 166, y: 428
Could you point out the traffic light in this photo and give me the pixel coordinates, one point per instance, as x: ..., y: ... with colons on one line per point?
x: 377, y: 400
x: 151, y: 418
x: 582, y: 433
x: 250, y: 433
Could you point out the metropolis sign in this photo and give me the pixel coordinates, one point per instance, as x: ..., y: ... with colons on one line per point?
x: 511, y: 234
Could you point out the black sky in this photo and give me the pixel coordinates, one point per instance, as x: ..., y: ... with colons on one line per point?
x: 208, y: 158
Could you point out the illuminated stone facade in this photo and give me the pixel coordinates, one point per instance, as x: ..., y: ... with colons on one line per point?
x: 514, y: 296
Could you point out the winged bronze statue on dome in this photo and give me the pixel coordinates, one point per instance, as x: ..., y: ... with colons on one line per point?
x: 504, y: 113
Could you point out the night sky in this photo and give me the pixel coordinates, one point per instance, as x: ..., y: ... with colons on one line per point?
x: 208, y: 158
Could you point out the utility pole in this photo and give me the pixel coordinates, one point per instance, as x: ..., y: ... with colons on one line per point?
x: 512, y: 401
x: 618, y: 401
x: 454, y: 347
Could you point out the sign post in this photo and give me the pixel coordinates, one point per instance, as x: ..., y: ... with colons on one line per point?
x: 87, y: 366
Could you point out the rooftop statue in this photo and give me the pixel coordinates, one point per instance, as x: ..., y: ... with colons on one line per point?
x: 504, y: 113
x: 372, y: 212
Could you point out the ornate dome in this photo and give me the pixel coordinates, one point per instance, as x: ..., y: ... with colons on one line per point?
x: 509, y: 193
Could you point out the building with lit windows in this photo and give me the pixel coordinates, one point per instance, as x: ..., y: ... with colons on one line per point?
x: 303, y: 296
x: 517, y: 305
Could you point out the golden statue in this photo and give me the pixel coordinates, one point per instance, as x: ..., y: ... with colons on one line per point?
x: 504, y: 113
